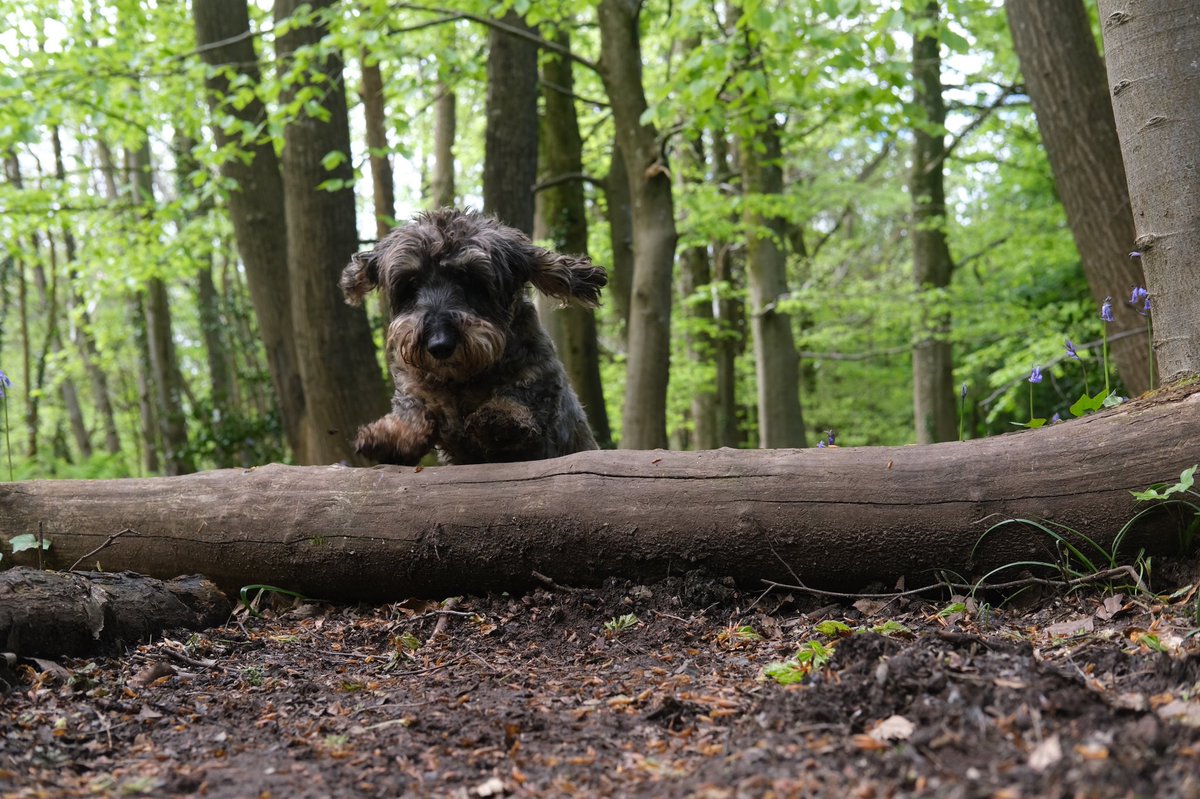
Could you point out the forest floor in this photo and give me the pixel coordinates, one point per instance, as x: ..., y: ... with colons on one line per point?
x: 632, y: 690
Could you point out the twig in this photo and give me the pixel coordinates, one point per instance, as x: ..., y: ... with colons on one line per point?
x: 107, y: 541
x: 546, y: 581
x: 444, y: 614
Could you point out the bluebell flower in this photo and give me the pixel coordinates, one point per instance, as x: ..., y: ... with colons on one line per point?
x: 1071, y: 353
x: 1106, y: 310
x: 820, y: 445
x: 964, y: 391
x: 4, y: 382
x: 1135, y: 254
x: 830, y: 437
x: 1056, y: 418
x: 1036, y: 375
x: 1138, y: 295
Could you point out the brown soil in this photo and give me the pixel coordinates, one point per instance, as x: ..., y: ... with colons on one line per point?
x: 533, y: 697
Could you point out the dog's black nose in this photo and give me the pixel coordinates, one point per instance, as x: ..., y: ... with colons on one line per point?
x: 442, y: 343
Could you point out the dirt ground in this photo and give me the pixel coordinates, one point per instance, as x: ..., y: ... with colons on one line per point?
x: 664, y: 690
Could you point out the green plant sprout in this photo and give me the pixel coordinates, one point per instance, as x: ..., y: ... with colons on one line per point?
x: 619, y: 624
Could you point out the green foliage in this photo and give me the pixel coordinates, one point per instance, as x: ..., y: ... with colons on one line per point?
x: 619, y: 624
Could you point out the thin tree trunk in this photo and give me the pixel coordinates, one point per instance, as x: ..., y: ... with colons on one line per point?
x: 511, y: 137
x: 1153, y: 57
x: 730, y: 312
x: 48, y: 294
x: 12, y: 169
x: 563, y: 210
x: 932, y: 360
x: 620, y: 233
x: 375, y: 114
x: 780, y: 423
x: 147, y: 416
x: 167, y: 380
x: 1064, y: 75
x: 695, y: 288
x: 256, y: 207
x: 442, y: 192
x: 644, y: 420
x: 216, y: 350
x: 343, y: 381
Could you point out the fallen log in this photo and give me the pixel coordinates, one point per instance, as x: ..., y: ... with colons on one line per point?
x: 837, y: 517
x: 70, y: 613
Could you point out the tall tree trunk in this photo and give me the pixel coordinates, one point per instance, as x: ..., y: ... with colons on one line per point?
x: 442, y: 192
x: 1065, y: 78
x: 777, y: 367
x: 343, y: 382
x: 1153, y: 56
x: 644, y: 420
x: 511, y: 138
x: 12, y: 172
x: 212, y: 329
x: 933, y: 368
x: 48, y: 294
x: 730, y: 311
x: 257, y: 206
x: 167, y: 380
x: 620, y: 235
x: 564, y: 213
x: 375, y: 114
x: 147, y: 417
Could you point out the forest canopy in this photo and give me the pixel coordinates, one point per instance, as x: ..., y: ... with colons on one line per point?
x: 838, y: 211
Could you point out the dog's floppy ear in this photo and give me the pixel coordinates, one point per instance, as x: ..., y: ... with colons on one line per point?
x: 360, y: 276
x: 570, y: 278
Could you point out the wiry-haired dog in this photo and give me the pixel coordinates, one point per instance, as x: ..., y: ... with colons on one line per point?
x: 476, y: 374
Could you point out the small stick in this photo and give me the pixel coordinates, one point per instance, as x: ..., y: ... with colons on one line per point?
x: 446, y: 611
x: 108, y: 541
x: 549, y: 583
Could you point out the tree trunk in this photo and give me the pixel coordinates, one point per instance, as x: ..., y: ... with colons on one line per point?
x: 256, y: 208
x: 51, y: 614
x: 343, y: 381
x: 564, y: 213
x: 1064, y: 75
x: 644, y: 420
x: 442, y: 192
x: 620, y: 236
x: 375, y: 113
x: 934, y: 411
x: 388, y: 533
x: 167, y: 380
x: 1153, y: 56
x: 511, y: 138
x: 147, y: 417
x: 730, y: 311
x: 695, y: 288
x: 220, y: 376
x: 777, y: 367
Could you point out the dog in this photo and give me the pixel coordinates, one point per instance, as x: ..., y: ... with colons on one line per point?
x: 476, y: 376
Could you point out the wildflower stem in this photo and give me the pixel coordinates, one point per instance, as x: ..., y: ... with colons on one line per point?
x: 962, y: 409
x: 1031, y: 402
x: 1106, y: 386
x: 1150, y: 345
x: 7, y: 436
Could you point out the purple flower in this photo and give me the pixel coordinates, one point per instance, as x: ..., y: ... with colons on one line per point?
x: 1135, y: 254
x: 1056, y: 418
x: 830, y: 437
x: 1138, y: 295
x: 964, y: 391
x: 1036, y: 375
x: 1071, y: 353
x: 820, y: 445
x: 4, y: 382
x: 1106, y: 310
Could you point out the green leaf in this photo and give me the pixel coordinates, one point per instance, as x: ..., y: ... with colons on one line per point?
x: 833, y: 628
x: 1085, y: 404
x: 1187, y: 478
x: 20, y: 543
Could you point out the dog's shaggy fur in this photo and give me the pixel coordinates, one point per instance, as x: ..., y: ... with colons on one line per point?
x: 476, y: 375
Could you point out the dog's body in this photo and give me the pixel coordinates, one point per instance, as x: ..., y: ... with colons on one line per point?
x: 476, y: 376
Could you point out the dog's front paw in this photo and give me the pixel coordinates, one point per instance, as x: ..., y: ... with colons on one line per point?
x: 392, y: 439
x: 505, y: 430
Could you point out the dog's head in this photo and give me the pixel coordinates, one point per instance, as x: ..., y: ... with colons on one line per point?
x: 454, y: 281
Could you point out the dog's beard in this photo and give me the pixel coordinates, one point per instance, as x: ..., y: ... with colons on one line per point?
x: 480, y: 345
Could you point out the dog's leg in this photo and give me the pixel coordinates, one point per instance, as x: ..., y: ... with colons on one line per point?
x: 402, y: 437
x: 505, y: 429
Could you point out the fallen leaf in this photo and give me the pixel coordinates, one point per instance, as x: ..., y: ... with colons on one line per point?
x: 1070, y: 627
x: 1045, y: 754
x: 893, y: 728
x: 1186, y: 713
x: 869, y: 744
x: 493, y: 787
x: 1110, y: 607
x: 1092, y: 751
x: 1009, y: 682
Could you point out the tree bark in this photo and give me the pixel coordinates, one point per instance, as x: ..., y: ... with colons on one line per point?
x: 256, y: 207
x: 563, y: 212
x: 375, y: 114
x: 777, y: 366
x: 1065, y: 78
x: 167, y: 379
x: 445, y: 123
x: 620, y: 236
x: 934, y: 411
x: 343, y: 381
x: 839, y: 517
x: 1153, y: 59
x: 695, y: 288
x: 54, y: 614
x: 644, y: 419
x: 731, y: 315
x: 511, y: 137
